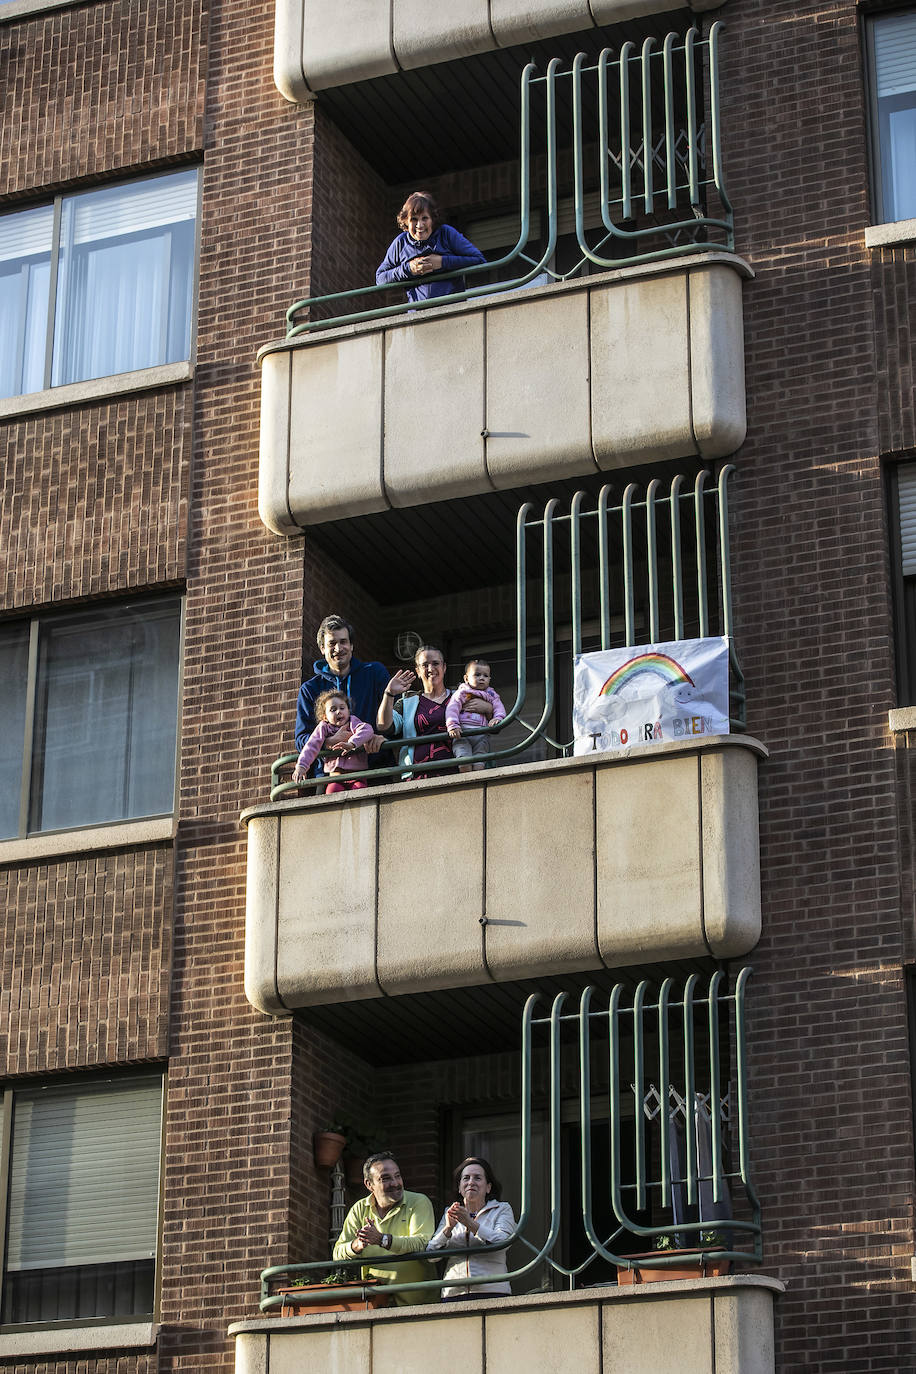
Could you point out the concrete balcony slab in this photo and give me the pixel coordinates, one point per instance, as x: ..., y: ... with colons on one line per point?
x: 631, y: 367
x: 320, y: 44
x: 601, y: 861
x: 716, y: 1326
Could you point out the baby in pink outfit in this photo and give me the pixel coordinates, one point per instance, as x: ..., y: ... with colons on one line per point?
x: 476, y: 684
x: 348, y: 735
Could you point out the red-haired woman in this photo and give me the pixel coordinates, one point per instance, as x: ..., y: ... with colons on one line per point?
x: 425, y: 246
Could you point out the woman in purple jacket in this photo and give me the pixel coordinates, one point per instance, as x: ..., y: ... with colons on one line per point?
x: 424, y: 247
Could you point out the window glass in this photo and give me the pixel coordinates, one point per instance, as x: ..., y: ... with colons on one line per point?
x: 124, y: 279
x: 894, y: 56
x: 124, y: 263
x: 105, y: 716
x: 83, y: 1205
x: 902, y: 478
x: 14, y: 674
x: 25, y: 262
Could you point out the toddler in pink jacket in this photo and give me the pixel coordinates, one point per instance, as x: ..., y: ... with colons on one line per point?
x: 476, y: 684
x: 332, y: 711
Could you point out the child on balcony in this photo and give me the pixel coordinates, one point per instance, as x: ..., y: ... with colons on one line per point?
x: 460, y: 713
x: 339, y: 730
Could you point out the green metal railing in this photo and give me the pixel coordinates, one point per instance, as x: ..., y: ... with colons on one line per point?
x: 658, y: 568
x: 658, y: 148
x: 672, y: 1066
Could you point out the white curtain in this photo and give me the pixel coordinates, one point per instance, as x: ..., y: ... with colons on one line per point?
x: 25, y: 257
x: 108, y: 703
x: 124, y: 279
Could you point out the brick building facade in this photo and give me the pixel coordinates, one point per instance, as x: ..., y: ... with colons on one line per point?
x: 125, y: 935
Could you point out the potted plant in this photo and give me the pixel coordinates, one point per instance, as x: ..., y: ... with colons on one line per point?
x: 341, y: 1290
x: 329, y: 1144
x: 698, y: 1267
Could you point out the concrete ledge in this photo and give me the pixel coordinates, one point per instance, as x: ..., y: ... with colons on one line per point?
x: 725, y: 1324
x: 879, y: 235
x: 57, y: 843
x: 22, y: 9
x: 75, y: 393
x: 902, y: 718
x: 658, y: 859
x: 75, y: 1340
x: 320, y: 44
x: 521, y: 386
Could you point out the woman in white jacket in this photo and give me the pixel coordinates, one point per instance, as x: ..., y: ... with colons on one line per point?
x: 475, y: 1218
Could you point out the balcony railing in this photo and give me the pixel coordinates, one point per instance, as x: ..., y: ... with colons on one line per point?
x: 673, y: 1068
x: 653, y: 147
x: 651, y: 568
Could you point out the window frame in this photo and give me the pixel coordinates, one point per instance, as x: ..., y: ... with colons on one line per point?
x: 881, y: 214
x: 30, y: 745
x: 49, y: 388
x: 903, y: 591
x: 8, y: 1093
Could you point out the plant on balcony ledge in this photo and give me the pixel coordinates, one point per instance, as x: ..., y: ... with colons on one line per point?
x: 696, y: 1267
x: 343, y: 1293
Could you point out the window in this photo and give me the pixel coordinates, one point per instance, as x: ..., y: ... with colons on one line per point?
x: 892, y: 58
x: 97, y: 283
x: 82, y: 1199
x: 902, y: 484
x: 88, y: 716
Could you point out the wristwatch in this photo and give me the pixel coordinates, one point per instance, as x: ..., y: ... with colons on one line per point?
x: 386, y: 1240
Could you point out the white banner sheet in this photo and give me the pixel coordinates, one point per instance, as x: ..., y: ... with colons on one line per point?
x: 623, y: 698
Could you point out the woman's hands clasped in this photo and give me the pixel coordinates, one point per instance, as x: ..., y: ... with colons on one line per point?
x: 458, y: 1215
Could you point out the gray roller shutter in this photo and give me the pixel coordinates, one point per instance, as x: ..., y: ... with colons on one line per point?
x: 906, y: 494
x: 84, y: 1176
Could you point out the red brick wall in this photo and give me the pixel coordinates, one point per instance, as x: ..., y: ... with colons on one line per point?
x: 124, y: 1364
x: 241, y: 1190
x: 113, y: 496
x: 894, y: 294
x: 353, y: 221
x: 85, y: 961
x: 832, y: 1147
x: 94, y: 500
x: 100, y: 88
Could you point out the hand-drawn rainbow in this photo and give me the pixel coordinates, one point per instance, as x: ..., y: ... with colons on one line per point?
x: 670, y: 672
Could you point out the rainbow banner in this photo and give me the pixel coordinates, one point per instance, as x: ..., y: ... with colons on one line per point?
x: 626, y: 698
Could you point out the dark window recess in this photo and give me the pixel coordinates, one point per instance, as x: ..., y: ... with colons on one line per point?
x: 902, y: 522
x: 78, y: 1292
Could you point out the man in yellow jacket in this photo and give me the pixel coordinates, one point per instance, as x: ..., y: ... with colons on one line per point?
x: 390, y: 1221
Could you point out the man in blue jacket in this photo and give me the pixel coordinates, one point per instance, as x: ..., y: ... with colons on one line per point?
x: 364, y: 683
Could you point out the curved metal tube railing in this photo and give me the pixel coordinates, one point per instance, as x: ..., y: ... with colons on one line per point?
x: 682, y: 95
x: 692, y: 1084
x: 679, y: 506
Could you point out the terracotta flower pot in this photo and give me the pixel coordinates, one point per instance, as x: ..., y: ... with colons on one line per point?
x: 706, y: 1269
x: 337, y: 1298
x: 328, y: 1148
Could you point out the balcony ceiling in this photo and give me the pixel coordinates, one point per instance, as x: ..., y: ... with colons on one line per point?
x: 464, y: 1021
x: 454, y: 115
x: 471, y: 542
